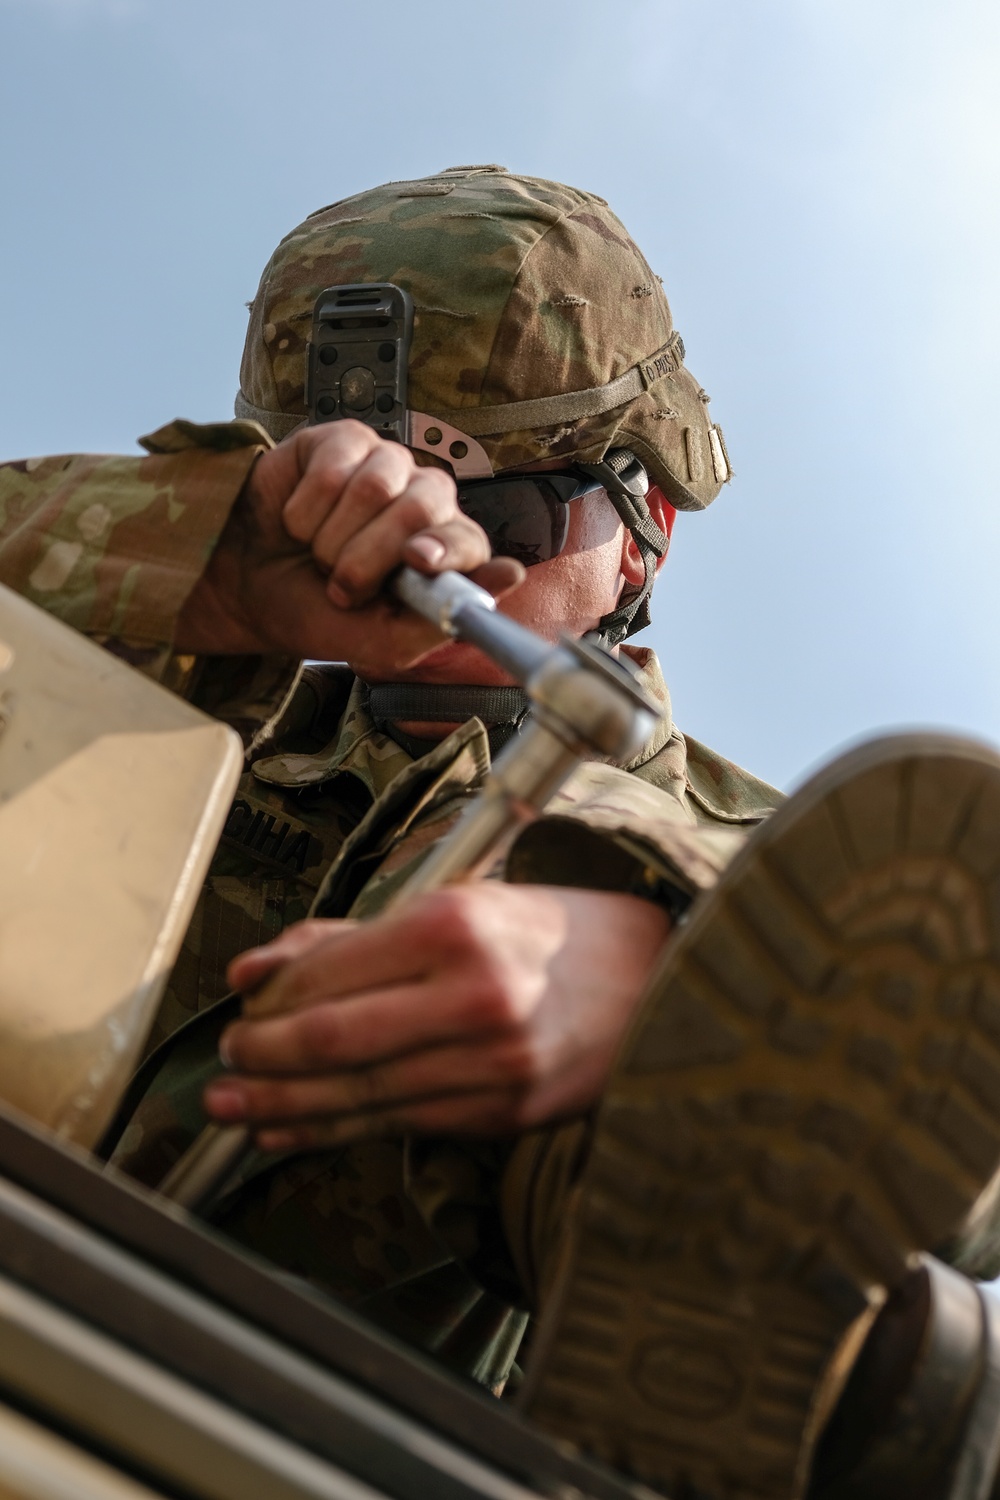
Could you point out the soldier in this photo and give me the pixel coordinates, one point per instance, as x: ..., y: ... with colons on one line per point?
x: 779, y: 1134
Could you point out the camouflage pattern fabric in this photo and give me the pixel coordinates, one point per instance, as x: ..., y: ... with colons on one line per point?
x: 523, y: 290
x: 113, y: 546
x: 310, y: 787
x: 434, y: 1239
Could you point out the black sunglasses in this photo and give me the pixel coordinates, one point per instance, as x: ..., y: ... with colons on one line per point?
x: 525, y: 516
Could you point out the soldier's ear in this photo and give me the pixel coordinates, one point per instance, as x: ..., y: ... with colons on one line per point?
x: 664, y: 515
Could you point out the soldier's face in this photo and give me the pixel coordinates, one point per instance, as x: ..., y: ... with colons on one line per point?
x: 567, y: 595
x: 570, y: 593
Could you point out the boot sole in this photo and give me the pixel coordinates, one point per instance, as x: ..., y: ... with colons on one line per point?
x: 809, y: 1094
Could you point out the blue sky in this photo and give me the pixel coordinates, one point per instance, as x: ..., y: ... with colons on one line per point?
x: 816, y: 181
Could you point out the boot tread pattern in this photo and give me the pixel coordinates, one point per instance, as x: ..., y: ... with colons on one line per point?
x: 810, y: 1093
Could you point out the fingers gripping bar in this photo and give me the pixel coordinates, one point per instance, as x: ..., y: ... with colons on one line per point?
x: 585, y: 704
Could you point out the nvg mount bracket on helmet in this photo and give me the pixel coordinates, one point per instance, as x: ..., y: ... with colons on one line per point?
x: 358, y: 361
x: 357, y: 367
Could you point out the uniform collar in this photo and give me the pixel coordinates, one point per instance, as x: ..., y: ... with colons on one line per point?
x: 360, y: 750
x: 652, y: 680
x: 357, y: 749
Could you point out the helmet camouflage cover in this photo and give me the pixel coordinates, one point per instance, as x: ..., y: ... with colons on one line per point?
x: 539, y: 328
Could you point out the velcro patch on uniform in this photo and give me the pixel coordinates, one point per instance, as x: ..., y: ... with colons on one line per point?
x: 720, y: 462
x: 696, y: 465
x: 271, y: 838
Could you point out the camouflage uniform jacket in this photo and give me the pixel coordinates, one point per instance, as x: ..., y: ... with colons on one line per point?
x: 331, y: 816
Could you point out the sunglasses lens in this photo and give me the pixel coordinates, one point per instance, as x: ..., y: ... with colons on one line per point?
x: 525, y: 517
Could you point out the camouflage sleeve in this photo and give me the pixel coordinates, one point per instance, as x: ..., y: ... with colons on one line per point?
x: 609, y: 830
x: 665, y: 829
x: 113, y: 546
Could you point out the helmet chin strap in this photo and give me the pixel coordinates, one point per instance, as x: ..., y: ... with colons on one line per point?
x: 632, y: 613
x: 502, y: 710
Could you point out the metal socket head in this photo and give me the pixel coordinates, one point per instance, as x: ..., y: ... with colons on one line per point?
x: 591, y: 699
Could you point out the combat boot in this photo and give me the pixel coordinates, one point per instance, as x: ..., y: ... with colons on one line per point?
x: 920, y: 1418
x: 808, y: 1098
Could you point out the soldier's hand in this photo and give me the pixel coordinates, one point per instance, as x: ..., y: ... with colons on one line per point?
x: 323, y: 520
x: 485, y: 1009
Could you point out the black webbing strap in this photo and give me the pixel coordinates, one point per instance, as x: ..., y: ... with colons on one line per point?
x: 632, y: 613
x: 444, y: 703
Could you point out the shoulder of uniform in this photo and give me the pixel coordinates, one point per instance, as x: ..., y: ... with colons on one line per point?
x: 218, y: 437
x: 722, y: 790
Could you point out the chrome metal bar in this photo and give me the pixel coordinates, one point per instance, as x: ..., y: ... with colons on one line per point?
x: 585, y: 704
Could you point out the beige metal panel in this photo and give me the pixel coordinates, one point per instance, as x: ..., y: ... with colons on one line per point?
x: 35, y: 1464
x: 112, y: 797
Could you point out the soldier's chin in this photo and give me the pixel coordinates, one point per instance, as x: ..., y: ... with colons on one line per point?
x: 452, y: 662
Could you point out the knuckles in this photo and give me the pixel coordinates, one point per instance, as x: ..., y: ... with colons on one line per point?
x: 452, y: 923
x: 438, y: 486
x: 457, y: 924
x: 365, y: 1089
x: 320, y: 1033
x: 348, y: 439
x: 352, y: 574
x: 520, y: 1064
x: 492, y: 1004
x: 269, y: 1101
x: 416, y: 511
x: 296, y: 940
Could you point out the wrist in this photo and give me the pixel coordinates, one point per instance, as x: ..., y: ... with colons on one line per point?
x: 213, y: 619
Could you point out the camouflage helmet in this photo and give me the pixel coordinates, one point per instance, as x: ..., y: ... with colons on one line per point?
x: 540, y: 330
